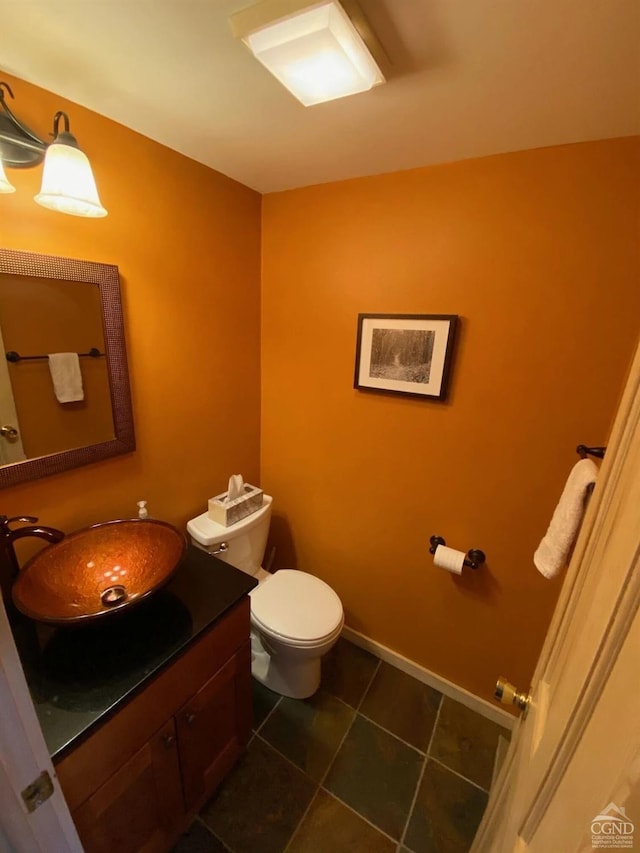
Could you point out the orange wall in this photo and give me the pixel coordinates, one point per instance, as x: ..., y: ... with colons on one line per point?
x: 537, y: 252
x: 187, y: 242
x: 41, y: 315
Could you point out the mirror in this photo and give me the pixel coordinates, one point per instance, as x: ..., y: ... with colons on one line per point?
x: 53, y: 305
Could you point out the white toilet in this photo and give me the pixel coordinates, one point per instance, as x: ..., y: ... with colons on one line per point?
x: 295, y: 617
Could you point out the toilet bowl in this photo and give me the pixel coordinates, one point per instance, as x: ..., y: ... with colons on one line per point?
x: 296, y: 617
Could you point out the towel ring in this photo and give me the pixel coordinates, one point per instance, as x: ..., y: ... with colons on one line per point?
x: 583, y: 451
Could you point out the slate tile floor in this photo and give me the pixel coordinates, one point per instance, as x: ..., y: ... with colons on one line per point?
x: 374, y: 762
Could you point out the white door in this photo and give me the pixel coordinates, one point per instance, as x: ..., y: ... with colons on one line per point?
x: 11, y: 449
x: 23, y: 758
x: 585, y: 682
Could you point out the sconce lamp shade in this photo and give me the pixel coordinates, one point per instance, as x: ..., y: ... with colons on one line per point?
x: 68, y: 185
x: 5, y: 186
x: 317, y: 54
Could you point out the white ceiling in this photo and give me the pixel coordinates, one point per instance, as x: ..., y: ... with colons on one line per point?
x: 468, y: 78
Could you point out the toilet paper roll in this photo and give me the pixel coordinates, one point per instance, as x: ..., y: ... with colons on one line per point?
x: 449, y: 559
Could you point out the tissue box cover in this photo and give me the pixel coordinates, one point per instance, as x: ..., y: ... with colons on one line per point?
x: 234, y: 511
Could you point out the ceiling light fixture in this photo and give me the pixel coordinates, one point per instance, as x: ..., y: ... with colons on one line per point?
x: 315, y: 51
x: 68, y: 185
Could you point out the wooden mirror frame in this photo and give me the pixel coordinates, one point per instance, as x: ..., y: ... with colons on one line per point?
x: 107, y: 278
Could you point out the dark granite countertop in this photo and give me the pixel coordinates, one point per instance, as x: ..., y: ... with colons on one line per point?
x: 80, y: 676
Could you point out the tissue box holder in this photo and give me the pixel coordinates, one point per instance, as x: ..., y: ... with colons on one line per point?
x: 234, y: 511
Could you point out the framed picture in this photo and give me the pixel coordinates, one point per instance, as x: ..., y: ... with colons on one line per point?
x: 405, y: 353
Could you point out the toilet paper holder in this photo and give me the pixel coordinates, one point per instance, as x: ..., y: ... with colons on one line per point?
x: 474, y: 559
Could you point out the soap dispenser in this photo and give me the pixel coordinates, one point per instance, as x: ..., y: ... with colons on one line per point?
x: 143, y: 512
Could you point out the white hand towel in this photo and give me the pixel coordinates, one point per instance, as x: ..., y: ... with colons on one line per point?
x: 554, y: 549
x: 66, y: 376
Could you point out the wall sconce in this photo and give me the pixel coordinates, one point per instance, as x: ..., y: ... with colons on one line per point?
x: 314, y: 50
x: 68, y: 185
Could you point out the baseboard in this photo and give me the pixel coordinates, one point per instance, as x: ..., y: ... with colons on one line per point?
x: 447, y: 688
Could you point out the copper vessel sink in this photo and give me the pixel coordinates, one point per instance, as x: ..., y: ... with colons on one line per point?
x: 98, y: 571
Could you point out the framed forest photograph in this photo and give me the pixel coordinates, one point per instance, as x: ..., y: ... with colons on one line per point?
x: 405, y: 353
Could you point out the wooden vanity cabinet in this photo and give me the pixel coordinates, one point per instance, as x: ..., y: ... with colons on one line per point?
x: 140, y: 807
x: 213, y: 728
x: 137, y: 782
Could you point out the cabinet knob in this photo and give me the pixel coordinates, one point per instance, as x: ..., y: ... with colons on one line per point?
x: 168, y: 741
x: 190, y: 719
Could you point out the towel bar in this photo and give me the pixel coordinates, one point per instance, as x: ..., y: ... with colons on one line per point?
x: 13, y: 356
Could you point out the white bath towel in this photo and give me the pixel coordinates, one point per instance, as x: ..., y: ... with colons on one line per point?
x: 66, y: 376
x: 554, y: 549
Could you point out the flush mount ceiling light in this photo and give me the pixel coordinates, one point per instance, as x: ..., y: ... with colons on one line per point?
x: 315, y: 51
x: 68, y: 185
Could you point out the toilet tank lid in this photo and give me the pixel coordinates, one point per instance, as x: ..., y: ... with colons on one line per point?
x: 296, y: 605
x: 208, y: 532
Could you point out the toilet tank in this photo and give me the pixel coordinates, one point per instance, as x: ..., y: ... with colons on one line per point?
x: 246, y: 540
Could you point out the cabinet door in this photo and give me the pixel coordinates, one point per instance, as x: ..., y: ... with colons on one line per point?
x: 213, y: 728
x: 139, y: 809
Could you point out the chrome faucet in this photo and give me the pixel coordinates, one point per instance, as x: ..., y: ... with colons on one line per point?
x: 9, y: 536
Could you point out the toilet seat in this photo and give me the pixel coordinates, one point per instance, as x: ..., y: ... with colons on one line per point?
x: 294, y: 642
x: 296, y: 608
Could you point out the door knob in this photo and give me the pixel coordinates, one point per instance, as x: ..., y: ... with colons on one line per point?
x: 9, y: 432
x: 168, y: 741
x: 190, y: 719
x: 508, y: 694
